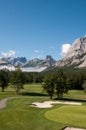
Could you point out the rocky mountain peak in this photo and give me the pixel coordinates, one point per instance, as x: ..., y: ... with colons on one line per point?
x: 49, y: 60
x: 77, y: 48
x: 76, y: 54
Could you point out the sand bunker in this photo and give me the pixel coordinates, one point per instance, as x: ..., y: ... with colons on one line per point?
x: 71, y: 128
x: 49, y: 104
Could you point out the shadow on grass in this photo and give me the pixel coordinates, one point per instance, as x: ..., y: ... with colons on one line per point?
x: 33, y: 94
x: 64, y: 128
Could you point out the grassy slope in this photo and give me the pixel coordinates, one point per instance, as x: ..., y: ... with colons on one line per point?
x: 20, y: 115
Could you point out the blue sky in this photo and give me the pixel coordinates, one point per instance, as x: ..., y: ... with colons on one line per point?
x: 36, y: 28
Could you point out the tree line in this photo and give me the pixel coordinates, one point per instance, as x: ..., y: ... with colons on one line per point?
x: 57, y: 82
x: 17, y: 79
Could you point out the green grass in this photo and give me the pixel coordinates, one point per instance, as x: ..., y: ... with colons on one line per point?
x: 76, y: 94
x: 37, y: 88
x: 70, y: 115
x: 20, y: 115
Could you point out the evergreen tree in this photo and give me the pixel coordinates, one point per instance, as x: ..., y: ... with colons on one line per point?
x: 17, y: 80
x: 60, y: 84
x: 49, y: 84
x: 4, y: 79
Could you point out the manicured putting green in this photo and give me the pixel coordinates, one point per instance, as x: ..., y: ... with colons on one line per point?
x: 69, y: 115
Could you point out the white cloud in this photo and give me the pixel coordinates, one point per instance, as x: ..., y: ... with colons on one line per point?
x: 36, y: 51
x: 10, y: 53
x: 65, y: 48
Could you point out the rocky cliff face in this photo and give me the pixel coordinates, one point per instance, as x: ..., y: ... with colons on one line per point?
x: 76, y: 55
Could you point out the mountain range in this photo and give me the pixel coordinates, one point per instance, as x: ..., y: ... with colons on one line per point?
x: 75, y: 57
x: 18, y: 61
x: 34, y: 65
x: 48, y: 61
